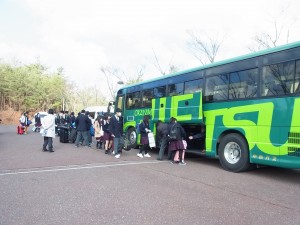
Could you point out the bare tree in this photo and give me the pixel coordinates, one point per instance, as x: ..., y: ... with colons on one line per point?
x: 114, y: 76
x: 279, y: 34
x: 204, y: 48
x: 170, y: 68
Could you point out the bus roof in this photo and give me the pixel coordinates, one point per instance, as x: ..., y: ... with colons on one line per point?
x: 223, y: 62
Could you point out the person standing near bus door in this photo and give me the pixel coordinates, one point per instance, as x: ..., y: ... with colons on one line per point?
x: 176, y: 135
x: 48, y: 128
x: 162, y: 131
x: 144, y: 129
x: 107, y: 138
x: 116, y: 130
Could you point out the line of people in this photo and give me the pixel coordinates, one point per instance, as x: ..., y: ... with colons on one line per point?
x: 108, y: 131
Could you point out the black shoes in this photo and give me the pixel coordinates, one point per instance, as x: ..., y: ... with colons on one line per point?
x: 46, y: 150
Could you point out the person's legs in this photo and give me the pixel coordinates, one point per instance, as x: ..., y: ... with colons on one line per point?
x: 163, y: 146
x: 78, y: 138
x: 45, y: 144
x: 85, y: 138
x: 142, y: 149
x: 183, y: 154
x: 116, y: 145
x: 169, y: 155
x: 89, y: 137
x: 176, y: 157
x: 180, y: 155
x: 181, y: 158
x: 50, y: 144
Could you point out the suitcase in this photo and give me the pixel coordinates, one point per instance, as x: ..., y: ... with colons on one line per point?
x: 73, y: 135
x: 20, y: 130
x: 64, y: 136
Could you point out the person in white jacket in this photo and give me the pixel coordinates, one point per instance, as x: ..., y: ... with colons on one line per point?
x: 48, y: 131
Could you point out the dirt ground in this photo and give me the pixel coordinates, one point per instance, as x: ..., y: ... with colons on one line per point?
x: 10, y: 117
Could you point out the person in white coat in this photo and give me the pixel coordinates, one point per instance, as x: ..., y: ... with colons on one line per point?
x: 48, y: 131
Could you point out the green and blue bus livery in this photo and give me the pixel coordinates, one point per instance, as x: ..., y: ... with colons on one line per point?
x: 250, y: 106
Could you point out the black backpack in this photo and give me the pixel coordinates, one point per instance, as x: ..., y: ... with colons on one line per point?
x: 174, y: 135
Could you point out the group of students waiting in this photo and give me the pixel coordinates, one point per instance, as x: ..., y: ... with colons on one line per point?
x: 108, y: 131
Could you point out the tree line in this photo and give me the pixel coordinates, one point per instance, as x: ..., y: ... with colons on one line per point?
x: 33, y: 88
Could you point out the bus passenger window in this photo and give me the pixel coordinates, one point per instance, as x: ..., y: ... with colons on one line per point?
x: 129, y: 101
x: 175, y: 89
x: 147, y: 97
x: 160, y: 92
x: 243, y: 84
x: 193, y: 86
x: 216, y: 88
x: 133, y: 100
x: 277, y: 79
x: 297, y: 78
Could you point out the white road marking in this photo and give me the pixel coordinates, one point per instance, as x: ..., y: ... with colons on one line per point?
x: 73, y: 167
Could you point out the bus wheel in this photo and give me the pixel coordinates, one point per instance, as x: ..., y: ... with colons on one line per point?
x: 132, y: 137
x: 234, y: 153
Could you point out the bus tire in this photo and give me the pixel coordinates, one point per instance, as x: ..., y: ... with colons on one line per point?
x: 234, y: 153
x: 132, y: 137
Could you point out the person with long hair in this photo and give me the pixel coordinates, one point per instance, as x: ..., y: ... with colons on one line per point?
x: 144, y: 129
x: 107, y: 138
x: 176, y: 136
x: 98, y: 126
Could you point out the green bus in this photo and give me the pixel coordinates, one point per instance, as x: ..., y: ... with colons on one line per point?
x: 250, y: 106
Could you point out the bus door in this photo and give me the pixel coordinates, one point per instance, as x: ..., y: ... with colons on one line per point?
x: 120, y: 103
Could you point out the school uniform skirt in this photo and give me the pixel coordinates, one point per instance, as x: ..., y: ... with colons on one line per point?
x: 176, y: 145
x: 144, y: 140
x: 107, y: 137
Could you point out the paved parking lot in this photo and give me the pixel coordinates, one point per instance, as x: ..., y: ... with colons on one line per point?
x: 85, y: 186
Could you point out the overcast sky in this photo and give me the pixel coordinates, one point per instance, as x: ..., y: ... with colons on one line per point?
x: 83, y: 35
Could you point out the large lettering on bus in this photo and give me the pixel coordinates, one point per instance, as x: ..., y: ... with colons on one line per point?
x: 185, y: 108
x: 257, y: 124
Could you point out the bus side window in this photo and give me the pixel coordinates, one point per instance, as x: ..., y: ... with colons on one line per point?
x: 129, y: 101
x: 159, y: 92
x: 147, y: 97
x: 221, y: 89
x: 277, y: 79
x: 297, y: 78
x: 210, y: 84
x: 133, y: 100
x: 193, y: 86
x: 175, y: 89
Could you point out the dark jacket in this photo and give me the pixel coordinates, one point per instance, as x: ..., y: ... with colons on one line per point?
x: 162, y: 130
x: 105, y: 125
x: 181, y: 135
x: 83, y: 123
x: 143, y: 127
x: 116, y: 126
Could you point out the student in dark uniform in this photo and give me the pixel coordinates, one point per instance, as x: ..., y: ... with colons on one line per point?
x: 144, y: 129
x: 176, y: 136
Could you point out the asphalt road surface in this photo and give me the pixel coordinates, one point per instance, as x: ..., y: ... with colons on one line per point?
x: 85, y: 186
